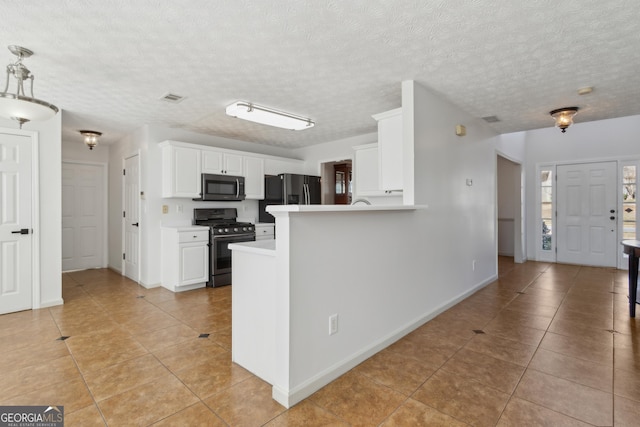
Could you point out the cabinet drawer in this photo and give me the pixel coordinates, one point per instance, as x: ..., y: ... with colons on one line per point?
x: 264, y: 230
x: 193, y: 236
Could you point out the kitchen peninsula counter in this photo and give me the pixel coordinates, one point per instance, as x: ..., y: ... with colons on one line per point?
x: 325, y: 260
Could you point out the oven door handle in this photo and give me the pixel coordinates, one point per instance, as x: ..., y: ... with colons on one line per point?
x: 231, y: 236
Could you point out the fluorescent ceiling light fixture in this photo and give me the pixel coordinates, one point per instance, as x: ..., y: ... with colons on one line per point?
x: 18, y: 105
x: 268, y: 116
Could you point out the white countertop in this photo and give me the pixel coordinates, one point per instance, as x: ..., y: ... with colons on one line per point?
x: 260, y: 247
x: 186, y: 227
x: 343, y: 208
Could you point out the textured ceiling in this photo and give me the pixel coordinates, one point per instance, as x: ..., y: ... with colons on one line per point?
x: 107, y: 62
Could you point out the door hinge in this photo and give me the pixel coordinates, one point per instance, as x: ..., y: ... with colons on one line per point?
x: 124, y: 214
x: 124, y: 171
x: 123, y: 256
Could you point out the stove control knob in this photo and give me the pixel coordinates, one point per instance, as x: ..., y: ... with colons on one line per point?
x: 235, y: 229
x: 244, y: 228
x: 226, y: 230
x: 220, y: 230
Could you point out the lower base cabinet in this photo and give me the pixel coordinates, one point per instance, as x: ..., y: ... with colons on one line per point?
x: 185, y: 257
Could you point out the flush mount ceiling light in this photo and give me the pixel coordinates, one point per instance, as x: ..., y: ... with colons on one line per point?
x: 90, y: 137
x: 268, y: 116
x: 564, y: 117
x: 17, y: 105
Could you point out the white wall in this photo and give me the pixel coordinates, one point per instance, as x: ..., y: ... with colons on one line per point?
x: 78, y: 151
x: 442, y: 163
x: 50, y: 181
x: 613, y: 139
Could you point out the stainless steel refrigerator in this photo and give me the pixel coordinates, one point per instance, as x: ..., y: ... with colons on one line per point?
x: 288, y: 189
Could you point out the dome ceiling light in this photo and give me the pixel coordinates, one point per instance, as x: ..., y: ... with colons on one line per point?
x: 17, y: 105
x: 90, y: 137
x: 564, y: 117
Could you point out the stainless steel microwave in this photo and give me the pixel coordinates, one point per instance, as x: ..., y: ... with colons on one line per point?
x: 227, y: 188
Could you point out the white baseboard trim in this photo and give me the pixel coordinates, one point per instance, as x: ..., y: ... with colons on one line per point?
x: 307, y: 388
x: 52, y: 303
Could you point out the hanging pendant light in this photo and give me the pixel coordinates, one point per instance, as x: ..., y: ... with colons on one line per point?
x: 17, y: 105
x: 564, y: 117
x: 90, y: 137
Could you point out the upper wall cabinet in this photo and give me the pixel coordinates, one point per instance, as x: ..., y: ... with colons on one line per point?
x: 183, y: 163
x: 390, y: 150
x: 180, y: 171
x: 219, y: 162
x: 366, y: 171
x: 253, y: 177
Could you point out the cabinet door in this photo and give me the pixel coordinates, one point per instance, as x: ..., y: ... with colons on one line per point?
x: 212, y: 161
x: 254, y: 178
x: 390, y: 150
x: 181, y: 172
x: 193, y: 263
x: 221, y: 163
x: 232, y: 164
x: 366, y: 172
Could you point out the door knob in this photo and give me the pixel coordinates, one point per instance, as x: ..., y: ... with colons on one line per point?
x: 136, y: 224
x: 21, y: 231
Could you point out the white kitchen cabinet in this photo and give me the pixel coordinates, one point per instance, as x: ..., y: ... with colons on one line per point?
x: 180, y: 171
x: 253, y: 177
x: 185, y: 257
x: 219, y: 162
x: 366, y: 171
x: 183, y: 163
x: 390, y: 150
x: 265, y: 231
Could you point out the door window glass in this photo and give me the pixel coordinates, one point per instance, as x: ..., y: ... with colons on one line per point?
x: 546, y: 208
x: 629, y: 186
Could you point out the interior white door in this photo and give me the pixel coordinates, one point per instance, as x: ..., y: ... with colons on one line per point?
x: 15, y: 218
x: 586, y: 208
x: 82, y: 216
x: 131, y: 217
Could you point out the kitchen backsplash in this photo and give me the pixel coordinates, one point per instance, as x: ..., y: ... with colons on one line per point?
x: 180, y: 211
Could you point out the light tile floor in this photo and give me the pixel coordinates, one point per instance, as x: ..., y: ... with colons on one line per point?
x: 546, y: 344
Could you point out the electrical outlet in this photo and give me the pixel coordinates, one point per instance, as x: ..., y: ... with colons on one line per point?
x: 473, y: 265
x: 333, y: 324
x: 179, y: 208
x: 165, y: 209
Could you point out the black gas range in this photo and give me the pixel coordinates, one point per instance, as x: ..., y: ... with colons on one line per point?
x: 223, y: 230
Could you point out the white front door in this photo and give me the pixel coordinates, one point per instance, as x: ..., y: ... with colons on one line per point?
x: 131, y: 217
x: 587, y: 214
x: 15, y: 218
x: 82, y: 216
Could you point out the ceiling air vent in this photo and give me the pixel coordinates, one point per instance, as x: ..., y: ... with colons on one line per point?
x: 491, y: 119
x: 172, y: 97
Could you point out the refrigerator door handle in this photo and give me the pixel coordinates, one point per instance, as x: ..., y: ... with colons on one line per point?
x: 307, y: 196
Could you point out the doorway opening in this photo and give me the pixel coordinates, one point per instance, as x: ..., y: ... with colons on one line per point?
x: 336, y: 178
x: 84, y: 215
x: 510, y: 209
